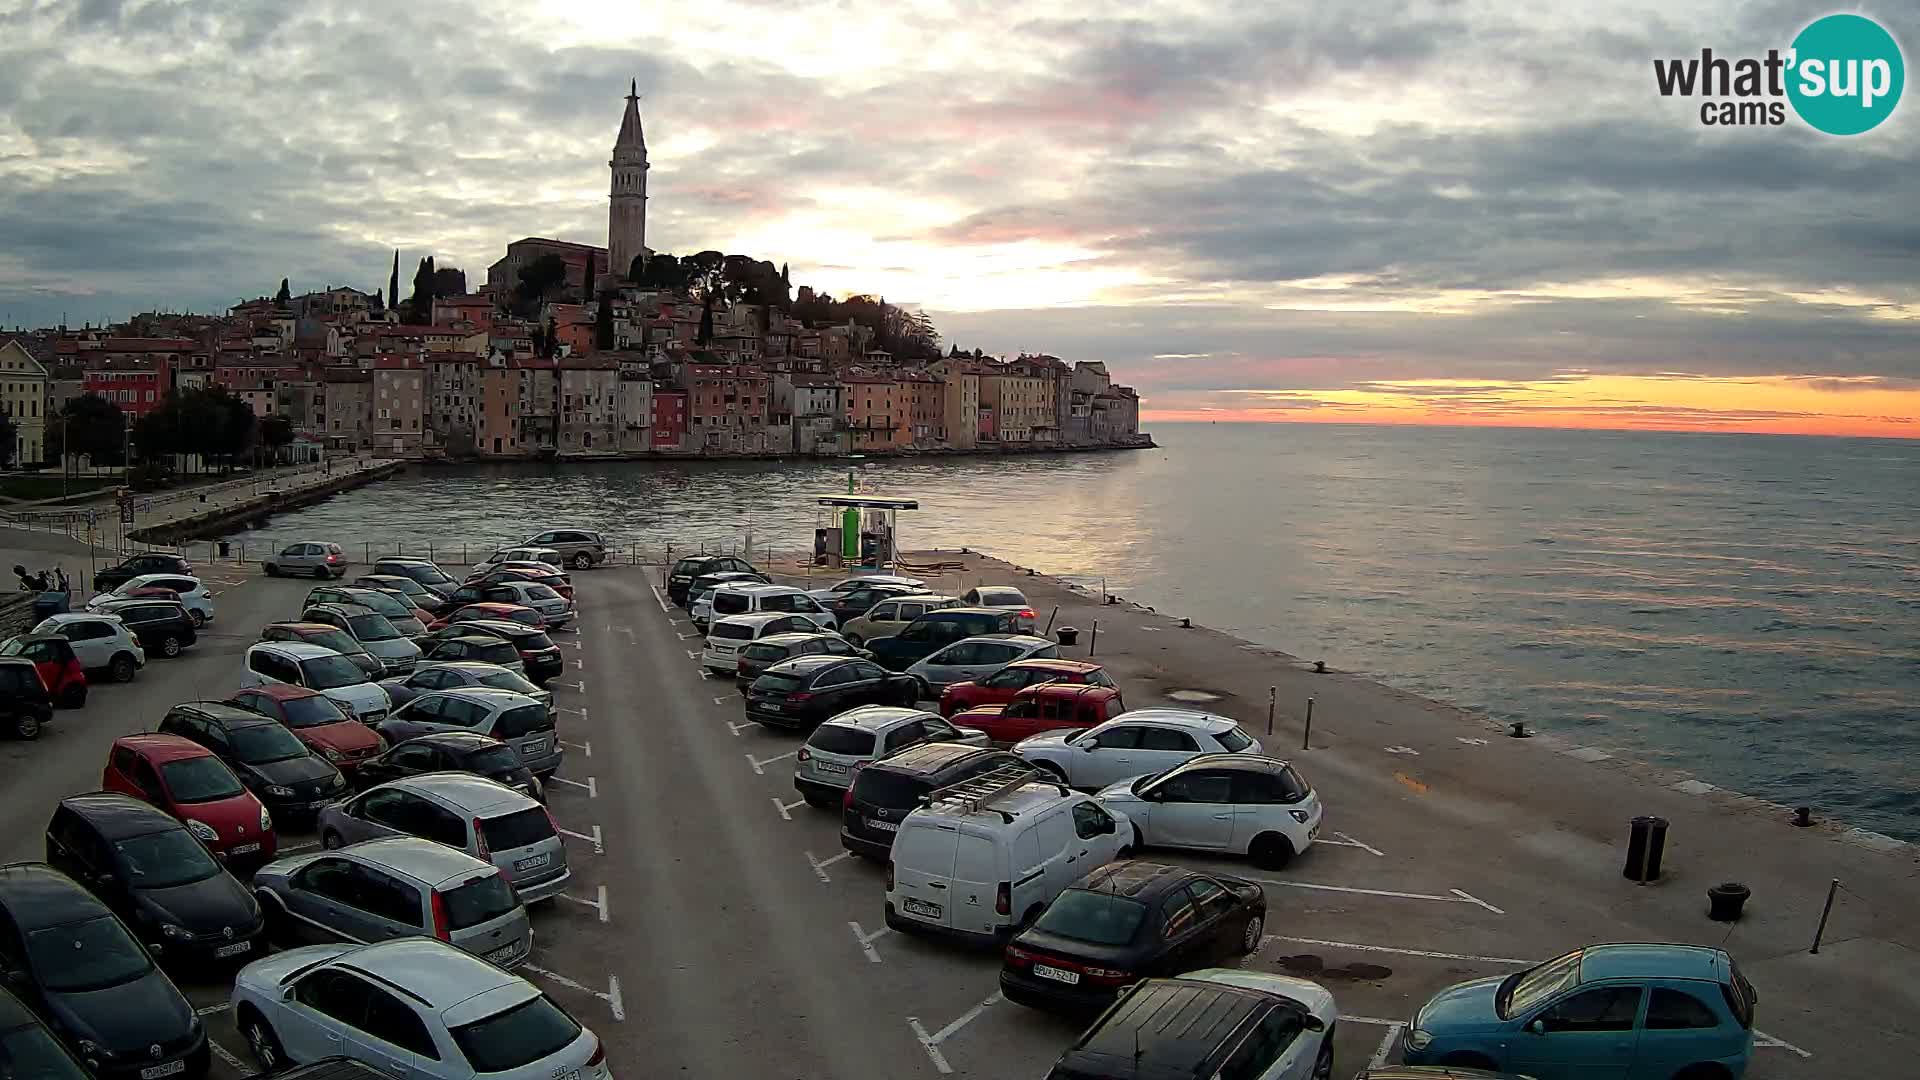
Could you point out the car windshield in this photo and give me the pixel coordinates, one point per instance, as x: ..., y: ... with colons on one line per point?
x: 1097, y: 918
x: 777, y: 682
x: 492, y: 761
x: 532, y: 641
x: 1002, y: 598
x: 338, y: 640
x: 733, y: 631
x: 1233, y: 739
x: 199, y: 779
x: 315, y: 711
x: 163, y: 860
x: 263, y: 743
x: 507, y: 680
x: 525, y: 720
x: 91, y: 955
x: 372, y: 627
x: 1530, y: 988
x: 518, y: 829
x: 378, y: 601
x: 425, y: 575
x: 689, y: 567
x: 841, y: 739
x: 542, y: 592
x: 29, y: 1053
x: 518, y: 1037
x: 401, y: 585
x: 330, y: 672
x: 483, y: 899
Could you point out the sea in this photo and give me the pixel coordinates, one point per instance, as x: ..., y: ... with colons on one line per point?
x: 1743, y: 607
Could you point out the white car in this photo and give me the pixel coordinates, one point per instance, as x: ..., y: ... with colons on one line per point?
x: 547, y: 557
x: 100, y: 642
x: 1244, y: 804
x: 296, y: 663
x: 1133, y: 744
x: 825, y: 763
x: 731, y: 633
x: 409, y: 1007
x: 832, y: 592
x: 743, y: 598
x: 194, y: 594
x: 975, y: 658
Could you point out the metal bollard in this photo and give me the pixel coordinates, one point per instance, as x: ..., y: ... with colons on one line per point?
x: 1271, y: 691
x: 1306, y: 735
x: 1092, y: 640
x: 1050, y: 618
x: 1821, y: 931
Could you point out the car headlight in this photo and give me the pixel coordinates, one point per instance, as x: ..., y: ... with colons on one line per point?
x: 335, y: 756
x: 279, y: 792
x: 178, y: 933
x: 202, y: 830
x: 1419, y: 1040
x: 1298, y: 815
x: 266, y: 820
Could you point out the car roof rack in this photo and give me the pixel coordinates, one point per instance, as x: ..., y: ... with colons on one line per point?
x: 981, y: 792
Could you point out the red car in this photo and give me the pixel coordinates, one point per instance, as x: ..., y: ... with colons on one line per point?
x: 1047, y: 707
x: 186, y: 780
x: 519, y: 613
x: 1000, y: 687
x: 316, y: 720
x: 59, y: 669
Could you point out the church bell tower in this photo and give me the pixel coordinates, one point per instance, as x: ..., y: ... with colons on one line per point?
x: 627, y: 209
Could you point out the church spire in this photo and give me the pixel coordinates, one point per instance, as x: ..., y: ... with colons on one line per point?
x: 631, y: 135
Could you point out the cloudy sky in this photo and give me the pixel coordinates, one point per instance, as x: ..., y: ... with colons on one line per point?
x: 1454, y: 211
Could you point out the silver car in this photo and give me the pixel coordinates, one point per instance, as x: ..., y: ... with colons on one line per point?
x: 402, y: 886
x: 826, y: 763
x: 554, y: 609
x: 307, y: 557
x: 582, y: 548
x: 374, y: 631
x: 454, y: 674
x: 514, y: 719
x: 977, y: 657
x: 486, y: 820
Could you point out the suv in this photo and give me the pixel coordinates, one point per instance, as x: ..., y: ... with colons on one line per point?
x: 976, y: 658
x: 1213, y: 1022
x: 100, y: 642
x: 883, y: 793
x: 731, y: 633
x: 482, y: 818
x: 684, y: 571
x: 843, y: 745
x: 25, y: 706
x: 190, y: 591
x: 452, y: 751
x: 375, y: 632
x: 402, y: 886
x: 937, y: 629
x: 398, y: 611
x: 473, y: 646
x: 735, y: 598
x: 582, y: 548
x: 1240, y: 803
x: 320, y: 560
x: 890, y: 615
x: 294, y: 663
x: 515, y: 719
x: 539, y: 657
x: 271, y: 761
x: 147, y: 562
x: 1134, y: 744
x: 423, y: 571
x: 160, y: 626
x: 700, y: 593
x: 807, y: 690
x: 415, y: 1007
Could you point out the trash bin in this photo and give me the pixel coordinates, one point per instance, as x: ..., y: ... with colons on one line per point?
x: 1645, y: 844
x: 49, y: 603
x: 225, y: 549
x: 1069, y: 635
x: 1725, y: 900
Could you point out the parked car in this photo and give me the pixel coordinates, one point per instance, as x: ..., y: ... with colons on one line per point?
x: 308, y: 557
x: 700, y: 593
x: 539, y: 657
x: 1244, y: 804
x: 890, y: 615
x: 1128, y: 921
x: 692, y: 566
x: 937, y: 629
x: 986, y: 856
x: 412, y: 593
x: 1002, y: 686
x: 293, y: 663
x: 505, y: 612
x: 492, y: 592
x: 525, y: 574
x: 756, y: 657
x: 514, y: 719
x: 452, y: 751
x: 484, y: 819
x: 156, y: 876
x: 556, y: 609
x: 1001, y: 596
x: 1134, y: 744
x: 402, y: 886
x: 753, y: 599
x: 1633, y: 1011
x: 825, y: 763
x: 25, y: 706
x: 275, y: 765
x: 859, y: 582
x: 141, y: 565
x: 316, y: 720
x: 976, y: 658
x: 458, y: 673
x: 885, y: 791
x: 186, y: 780
x: 401, y: 614
x: 421, y: 570
x: 730, y: 633
x: 583, y: 548
x: 415, y: 1007
x: 472, y: 646
x: 53, y: 658
x: 547, y: 555
x: 1218, y: 1022
x: 856, y: 602
x: 31, y: 1048
x: 1042, y: 708
x: 162, y: 627
x: 1431, y: 1072
x: 327, y: 636
x: 101, y: 642
x: 807, y: 690
x: 374, y: 631
x: 73, y: 962
x: 192, y: 593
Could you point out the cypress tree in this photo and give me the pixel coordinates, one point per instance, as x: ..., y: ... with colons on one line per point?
x: 393, y: 283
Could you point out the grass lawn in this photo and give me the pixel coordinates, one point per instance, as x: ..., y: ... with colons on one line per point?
x: 30, y: 486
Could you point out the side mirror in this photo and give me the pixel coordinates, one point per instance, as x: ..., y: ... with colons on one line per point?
x: 286, y: 993
x: 1312, y: 1023
x: 1537, y: 1026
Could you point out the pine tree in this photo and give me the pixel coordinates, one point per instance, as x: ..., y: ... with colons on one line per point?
x: 603, y: 325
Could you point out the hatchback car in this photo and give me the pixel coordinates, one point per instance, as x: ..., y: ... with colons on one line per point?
x: 477, y: 592
x: 888, y: 616
x: 25, y: 706
x: 453, y: 751
x: 490, y: 611
x: 1000, y: 596
x: 455, y: 674
x: 402, y: 886
x: 807, y: 690
x: 71, y: 960
x: 327, y: 637
x: 52, y: 656
x: 737, y: 598
x: 101, y: 642
x: 147, y: 562
x: 276, y: 766
x: 731, y: 633
x: 519, y: 570
x: 547, y: 555
x: 413, y: 593
x: 319, y: 560
x: 700, y: 593
x: 539, y: 657
x: 156, y: 876
x: 1217, y: 1022
x: 884, y: 792
x: 514, y: 719
x: 472, y: 646
x: 937, y: 629
x: 841, y: 747
x: 1043, y: 708
x: 421, y: 570
x: 1000, y: 687
x: 1244, y: 804
x: 192, y: 593
x: 758, y: 656
x: 30, y: 1048
x: 1638, y: 1012
x: 295, y: 663
x: 415, y: 1007
x: 486, y: 820
x: 186, y: 780
x: 375, y: 632
x: 556, y: 609
x: 404, y: 617
x: 316, y: 720
x: 682, y: 573
x: 162, y: 627
x: 976, y: 658
x: 1134, y: 744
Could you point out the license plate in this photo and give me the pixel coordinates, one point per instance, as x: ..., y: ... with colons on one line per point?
x: 921, y: 907
x: 531, y: 862
x: 234, y: 949
x: 567, y: 1074
x: 883, y: 826
x: 507, y: 953
x: 1071, y: 978
x: 829, y: 766
x: 171, y: 1068
x: 532, y: 748
x: 770, y: 706
x: 243, y: 849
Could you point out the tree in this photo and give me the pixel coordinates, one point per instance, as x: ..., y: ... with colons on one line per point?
x: 603, y: 338
x: 284, y: 295
x: 538, y: 279
x: 706, y: 323
x: 9, y: 436
x: 423, y: 293
x: 553, y: 337
x: 449, y: 281
x: 93, y: 426
x: 393, y: 283
x: 275, y: 433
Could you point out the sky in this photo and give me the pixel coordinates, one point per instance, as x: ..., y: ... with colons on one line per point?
x: 1392, y: 211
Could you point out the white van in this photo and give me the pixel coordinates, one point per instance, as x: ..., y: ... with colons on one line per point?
x: 985, y: 856
x: 746, y: 598
x: 729, y: 634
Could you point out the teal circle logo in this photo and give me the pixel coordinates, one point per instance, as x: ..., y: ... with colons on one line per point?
x: 1847, y: 74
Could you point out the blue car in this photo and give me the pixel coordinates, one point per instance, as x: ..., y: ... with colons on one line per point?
x: 1605, y: 1012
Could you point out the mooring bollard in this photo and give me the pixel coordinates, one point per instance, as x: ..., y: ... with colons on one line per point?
x: 1725, y: 901
x: 1646, y: 842
x: 1803, y: 817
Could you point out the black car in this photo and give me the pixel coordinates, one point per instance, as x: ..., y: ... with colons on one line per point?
x: 144, y: 864
x: 271, y: 761
x: 803, y: 691
x: 937, y: 629
x: 538, y: 654
x: 756, y: 657
x: 693, y: 566
x: 29, y: 1050
x: 1164, y: 1029
x: 422, y: 571
x: 458, y: 751
x: 855, y: 602
x: 886, y: 791
x: 160, y: 626
x: 1128, y: 921
x: 147, y: 562
x: 449, y: 645
x: 25, y: 707
x: 75, y: 964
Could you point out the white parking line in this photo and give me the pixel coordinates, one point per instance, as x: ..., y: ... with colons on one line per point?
x: 611, y: 996
x: 209, y: 1010
x: 568, y: 644
x: 584, y: 747
x: 580, y: 686
x: 693, y: 654
x: 599, y: 848
x: 705, y: 674
x: 1458, y: 897
x: 1385, y: 1049
x: 783, y: 807
x: 741, y: 726
x: 1761, y: 1038
x: 227, y: 1056
x: 759, y: 765
x: 931, y: 1043
x: 657, y: 598
x: 1348, y: 841
x: 581, y: 712
x: 592, y: 785
x: 578, y: 666
x: 866, y: 940
x: 720, y: 701
x: 689, y: 637
x: 820, y: 866
x: 599, y: 905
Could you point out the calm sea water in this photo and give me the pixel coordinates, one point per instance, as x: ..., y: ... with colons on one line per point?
x: 1745, y: 607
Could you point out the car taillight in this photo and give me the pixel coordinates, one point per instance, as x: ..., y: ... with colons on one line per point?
x: 1003, y: 899
x: 799, y: 697
x: 740, y: 666
x: 333, y: 558
x: 441, y: 927
x: 480, y: 837
x: 599, y: 1054
x: 804, y: 755
x: 1018, y: 957
x: 1110, y: 976
x: 551, y: 821
x: 1028, y: 614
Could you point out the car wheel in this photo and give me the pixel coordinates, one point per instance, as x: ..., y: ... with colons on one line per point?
x: 76, y: 696
x: 331, y: 840
x: 1323, y: 1065
x: 1250, y: 938
x: 1271, y: 851
x: 272, y: 570
x: 122, y: 667
x: 27, y: 726
x: 170, y: 646
x: 582, y: 561
x: 197, y: 619
x: 920, y: 692
x: 262, y: 1042
x: 320, y: 573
